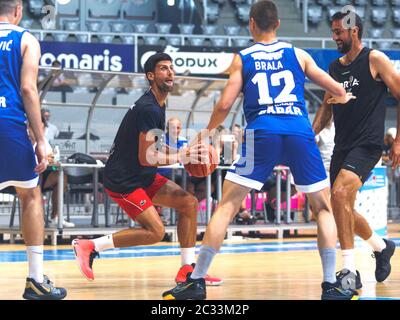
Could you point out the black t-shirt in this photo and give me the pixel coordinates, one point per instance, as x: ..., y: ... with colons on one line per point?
x: 123, y: 172
x: 360, y: 122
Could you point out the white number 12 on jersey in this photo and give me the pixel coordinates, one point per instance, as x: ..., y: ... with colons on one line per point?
x: 263, y: 87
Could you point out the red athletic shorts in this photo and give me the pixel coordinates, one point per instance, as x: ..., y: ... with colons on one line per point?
x: 139, y: 200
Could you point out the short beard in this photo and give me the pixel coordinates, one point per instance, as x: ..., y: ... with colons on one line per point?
x: 346, y: 47
x: 164, y: 88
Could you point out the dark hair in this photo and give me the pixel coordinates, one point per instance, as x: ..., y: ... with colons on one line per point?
x: 265, y: 14
x: 341, y: 15
x: 151, y: 62
x: 7, y: 6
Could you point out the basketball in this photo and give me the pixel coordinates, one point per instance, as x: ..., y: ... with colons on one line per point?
x: 200, y: 170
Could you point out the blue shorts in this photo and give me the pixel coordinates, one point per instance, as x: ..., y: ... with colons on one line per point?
x: 299, y: 153
x: 17, y: 162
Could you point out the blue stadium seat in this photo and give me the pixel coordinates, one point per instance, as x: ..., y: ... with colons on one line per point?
x: 379, y: 15
x: 384, y: 45
x: 232, y: 30
x: 243, y: 12
x: 106, y: 38
x: 82, y: 38
x: 128, y: 39
x: 241, y: 43
x: 395, y: 3
x: 71, y: 25
x: 94, y: 26
x: 314, y: 14
x: 35, y: 7
x: 140, y: 27
x: 186, y: 28
x: 325, y: 3
x: 396, y: 16
x: 210, y: 29
x: 361, y: 12
x: 361, y: 3
x: 69, y: 9
x: 212, y: 12
x: 220, y: 2
x: 163, y: 28
x: 219, y: 42
x: 332, y: 11
x: 174, y: 41
x: 60, y: 37
x: 117, y: 27
x: 342, y: 3
x: 375, y: 33
x: 196, y: 41
x: 381, y: 3
x: 151, y: 40
x: 103, y: 8
x: 395, y: 33
x: 26, y: 24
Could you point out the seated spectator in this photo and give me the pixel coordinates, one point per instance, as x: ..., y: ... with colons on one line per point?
x: 387, y: 145
x: 49, y: 181
x: 50, y: 130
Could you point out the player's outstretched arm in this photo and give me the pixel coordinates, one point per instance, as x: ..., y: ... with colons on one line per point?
x: 323, y: 115
x: 30, y: 49
x: 382, y: 67
x: 321, y: 78
x: 229, y: 95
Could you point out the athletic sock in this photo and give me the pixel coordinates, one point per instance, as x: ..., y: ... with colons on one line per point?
x: 328, y: 259
x: 35, y: 262
x: 188, y: 255
x: 103, y: 243
x: 376, y: 242
x: 204, y: 260
x: 349, y: 260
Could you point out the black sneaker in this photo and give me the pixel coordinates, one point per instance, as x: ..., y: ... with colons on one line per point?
x: 383, y: 266
x: 334, y: 291
x: 340, y: 275
x: 192, y: 289
x: 348, y: 279
x: 43, y: 291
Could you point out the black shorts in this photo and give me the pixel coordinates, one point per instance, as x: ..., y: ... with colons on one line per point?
x: 360, y: 160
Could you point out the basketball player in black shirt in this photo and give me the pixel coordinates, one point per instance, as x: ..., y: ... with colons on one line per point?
x: 131, y: 179
x: 359, y: 138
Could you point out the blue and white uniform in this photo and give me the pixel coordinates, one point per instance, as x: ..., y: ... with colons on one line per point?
x: 273, y: 89
x: 17, y: 157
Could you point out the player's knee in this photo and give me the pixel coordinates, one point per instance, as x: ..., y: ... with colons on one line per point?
x: 156, y: 233
x: 189, y: 204
x: 339, y: 194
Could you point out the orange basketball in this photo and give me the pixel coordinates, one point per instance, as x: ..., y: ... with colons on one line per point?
x: 204, y: 169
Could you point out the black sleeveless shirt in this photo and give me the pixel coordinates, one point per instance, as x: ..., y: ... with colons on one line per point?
x: 360, y: 122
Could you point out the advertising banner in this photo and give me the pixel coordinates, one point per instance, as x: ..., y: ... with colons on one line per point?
x: 202, y: 61
x: 89, y: 56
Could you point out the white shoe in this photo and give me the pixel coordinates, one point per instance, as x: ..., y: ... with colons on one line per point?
x: 68, y: 224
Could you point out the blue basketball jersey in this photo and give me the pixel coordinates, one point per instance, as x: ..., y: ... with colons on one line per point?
x: 273, y: 88
x: 12, y: 113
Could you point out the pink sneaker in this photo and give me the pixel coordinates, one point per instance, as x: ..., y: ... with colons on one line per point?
x: 187, y: 268
x: 84, y: 255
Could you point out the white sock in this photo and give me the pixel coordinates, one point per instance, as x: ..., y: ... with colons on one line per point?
x: 188, y: 255
x: 376, y: 242
x: 103, y: 243
x: 349, y: 260
x: 35, y: 261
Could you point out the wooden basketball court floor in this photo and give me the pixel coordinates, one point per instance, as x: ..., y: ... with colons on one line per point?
x: 251, y: 269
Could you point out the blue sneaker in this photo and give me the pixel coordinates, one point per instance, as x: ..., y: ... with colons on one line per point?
x: 191, y: 289
x: 43, y: 291
x: 334, y: 291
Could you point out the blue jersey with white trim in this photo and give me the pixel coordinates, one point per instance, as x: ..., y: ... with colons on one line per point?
x: 273, y: 88
x: 12, y: 113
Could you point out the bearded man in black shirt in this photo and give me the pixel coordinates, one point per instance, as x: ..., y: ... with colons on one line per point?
x: 359, y: 134
x: 131, y: 179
